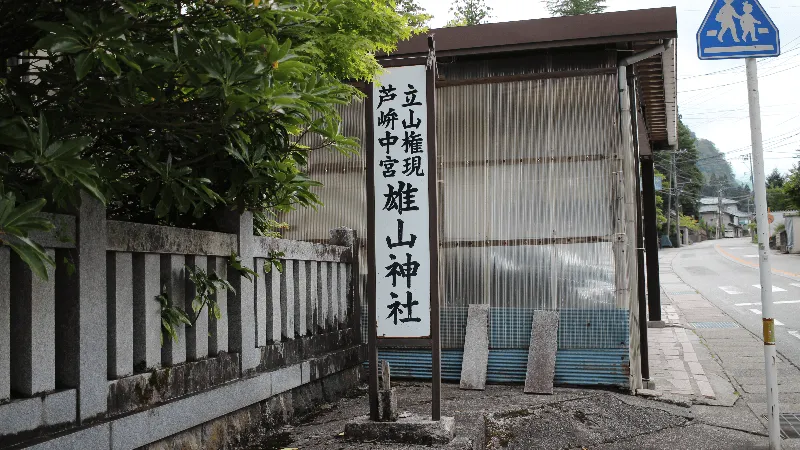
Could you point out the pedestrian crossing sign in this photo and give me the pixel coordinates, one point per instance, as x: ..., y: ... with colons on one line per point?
x: 737, y: 29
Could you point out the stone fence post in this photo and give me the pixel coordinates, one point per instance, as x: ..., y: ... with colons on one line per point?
x: 347, y: 237
x: 241, y: 310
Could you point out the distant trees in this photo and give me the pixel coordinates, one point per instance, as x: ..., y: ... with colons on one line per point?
x: 469, y: 12
x: 791, y: 188
x: 575, y: 7
x: 416, y: 15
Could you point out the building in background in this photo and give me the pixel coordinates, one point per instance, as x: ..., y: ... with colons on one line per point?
x: 537, y: 187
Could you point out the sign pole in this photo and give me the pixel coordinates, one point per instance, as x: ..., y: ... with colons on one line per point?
x: 436, y: 348
x: 764, y: 267
x: 372, y: 321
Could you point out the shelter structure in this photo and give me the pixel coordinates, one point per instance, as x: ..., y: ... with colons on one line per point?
x: 541, y: 129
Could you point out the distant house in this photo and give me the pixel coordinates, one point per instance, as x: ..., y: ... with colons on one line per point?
x: 732, y: 219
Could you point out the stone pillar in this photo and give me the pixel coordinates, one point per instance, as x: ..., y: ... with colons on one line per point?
x: 323, y: 296
x: 287, y: 299
x: 313, y: 296
x: 273, y: 319
x: 300, y: 297
x: 5, y: 323
x: 196, y: 336
x: 146, y: 311
x: 218, y: 329
x: 241, y: 322
x: 119, y: 269
x: 85, y: 353
x: 33, y: 352
x: 349, y: 279
x: 173, y: 278
x: 333, y: 294
x: 263, y: 295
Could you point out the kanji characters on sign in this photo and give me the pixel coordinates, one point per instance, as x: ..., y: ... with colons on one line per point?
x: 402, y: 247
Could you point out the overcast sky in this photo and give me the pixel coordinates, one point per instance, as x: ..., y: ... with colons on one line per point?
x: 713, y: 106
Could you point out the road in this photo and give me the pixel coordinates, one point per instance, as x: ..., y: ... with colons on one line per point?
x: 726, y: 272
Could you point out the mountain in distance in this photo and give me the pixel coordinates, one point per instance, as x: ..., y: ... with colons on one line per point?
x: 711, y: 162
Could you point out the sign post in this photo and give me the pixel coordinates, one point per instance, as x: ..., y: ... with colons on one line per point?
x: 756, y: 36
x: 403, y: 241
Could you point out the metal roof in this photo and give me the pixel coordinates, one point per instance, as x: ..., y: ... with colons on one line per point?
x: 625, y: 30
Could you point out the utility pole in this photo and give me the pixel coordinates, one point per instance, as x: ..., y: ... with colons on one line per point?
x: 678, y: 213
x: 669, y: 197
x: 719, y: 212
x: 764, y: 267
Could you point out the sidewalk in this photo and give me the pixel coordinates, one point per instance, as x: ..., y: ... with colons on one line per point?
x: 705, y: 357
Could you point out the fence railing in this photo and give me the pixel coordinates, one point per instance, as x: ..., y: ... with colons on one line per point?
x: 97, y: 319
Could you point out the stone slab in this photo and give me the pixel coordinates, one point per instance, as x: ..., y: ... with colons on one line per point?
x: 287, y: 299
x: 197, y: 335
x: 142, y: 238
x: 542, y: 353
x: 300, y: 297
x: 476, y: 348
x: 407, y: 430
x: 262, y: 295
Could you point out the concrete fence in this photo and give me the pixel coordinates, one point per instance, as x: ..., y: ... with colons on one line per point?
x: 82, y: 363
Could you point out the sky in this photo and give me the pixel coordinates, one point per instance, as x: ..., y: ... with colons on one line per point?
x: 712, y: 95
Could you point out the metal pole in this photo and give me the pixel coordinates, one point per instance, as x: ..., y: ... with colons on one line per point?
x: 768, y: 318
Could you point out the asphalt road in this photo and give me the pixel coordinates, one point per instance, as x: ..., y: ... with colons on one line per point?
x: 726, y: 272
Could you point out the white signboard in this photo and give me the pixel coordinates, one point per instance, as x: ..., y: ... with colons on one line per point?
x: 402, y: 247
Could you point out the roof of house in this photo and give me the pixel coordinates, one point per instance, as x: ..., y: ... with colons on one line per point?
x: 641, y: 29
x: 728, y: 209
x: 715, y: 200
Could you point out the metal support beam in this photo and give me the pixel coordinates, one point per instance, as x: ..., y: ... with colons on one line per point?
x: 651, y: 238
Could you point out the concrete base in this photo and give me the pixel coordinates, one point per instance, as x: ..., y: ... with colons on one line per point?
x: 656, y: 324
x: 387, y: 405
x: 648, y: 385
x: 407, y: 430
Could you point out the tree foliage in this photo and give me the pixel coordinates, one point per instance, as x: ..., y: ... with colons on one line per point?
x: 469, y: 12
x: 415, y: 15
x: 792, y: 187
x: 575, y: 7
x: 689, y: 178
x: 172, y: 111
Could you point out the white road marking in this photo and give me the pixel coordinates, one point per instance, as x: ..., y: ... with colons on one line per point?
x: 750, y: 256
x: 756, y: 311
x: 778, y: 323
x: 774, y: 288
x: 795, y: 284
x: 736, y: 248
x: 731, y: 290
x: 795, y: 333
x: 784, y: 302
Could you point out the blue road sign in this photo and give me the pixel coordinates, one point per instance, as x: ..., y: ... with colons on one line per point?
x: 737, y: 29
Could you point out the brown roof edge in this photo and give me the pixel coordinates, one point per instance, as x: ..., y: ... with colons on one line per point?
x: 556, y: 31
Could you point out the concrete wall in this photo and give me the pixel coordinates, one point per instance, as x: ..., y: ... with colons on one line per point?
x: 82, y: 363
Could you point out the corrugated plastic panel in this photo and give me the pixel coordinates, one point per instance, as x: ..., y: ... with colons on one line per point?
x: 609, y: 367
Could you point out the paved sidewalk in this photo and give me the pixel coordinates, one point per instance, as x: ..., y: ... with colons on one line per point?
x: 706, y: 356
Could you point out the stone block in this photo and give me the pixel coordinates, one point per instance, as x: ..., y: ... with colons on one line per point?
x: 33, y: 329
x: 5, y: 323
x: 286, y: 379
x: 542, y: 353
x: 287, y: 300
x: 197, y: 335
x: 59, y: 407
x: 406, y: 430
x: 119, y: 269
x: 476, y: 348
x: 20, y: 415
x: 146, y: 311
x: 218, y: 328
x: 387, y: 405
x: 173, y: 277
x: 300, y: 297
